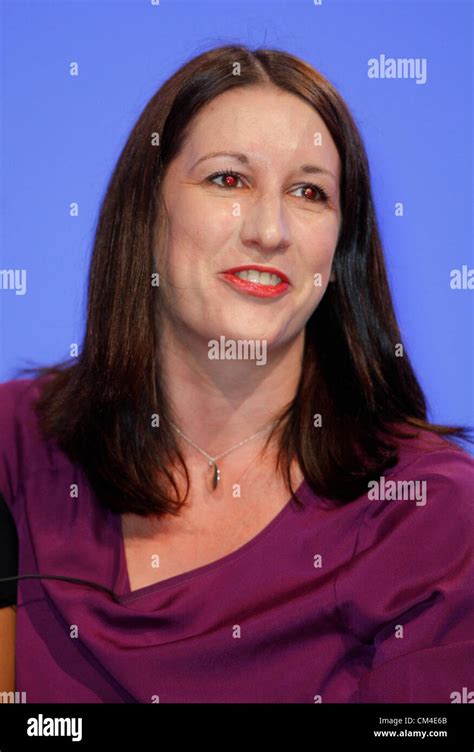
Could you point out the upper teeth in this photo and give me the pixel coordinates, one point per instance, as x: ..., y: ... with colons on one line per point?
x: 263, y: 278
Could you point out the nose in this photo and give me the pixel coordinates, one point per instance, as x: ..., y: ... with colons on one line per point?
x: 264, y: 224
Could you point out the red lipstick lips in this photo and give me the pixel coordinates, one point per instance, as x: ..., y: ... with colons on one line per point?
x: 256, y: 288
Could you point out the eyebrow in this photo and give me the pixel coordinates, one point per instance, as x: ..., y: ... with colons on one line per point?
x: 307, y: 168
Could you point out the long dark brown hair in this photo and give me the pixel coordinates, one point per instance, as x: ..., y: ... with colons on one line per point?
x: 99, y: 407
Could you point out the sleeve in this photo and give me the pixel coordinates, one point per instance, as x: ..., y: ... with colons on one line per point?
x: 11, y: 463
x: 10, y: 438
x: 8, y: 556
x: 408, y: 593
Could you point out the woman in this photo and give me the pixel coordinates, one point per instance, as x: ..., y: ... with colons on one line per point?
x: 234, y: 495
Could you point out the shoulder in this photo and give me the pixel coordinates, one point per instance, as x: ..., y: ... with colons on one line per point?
x: 16, y: 402
x: 20, y: 440
x: 430, y: 491
x: 428, y: 449
x: 445, y: 466
x: 11, y: 393
x: 416, y: 534
x: 408, y: 591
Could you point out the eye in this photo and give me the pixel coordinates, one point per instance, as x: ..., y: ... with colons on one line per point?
x: 315, y: 189
x: 233, y: 177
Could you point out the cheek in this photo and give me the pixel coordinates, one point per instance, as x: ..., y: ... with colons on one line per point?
x: 202, y: 226
x: 318, y: 257
x: 321, y: 246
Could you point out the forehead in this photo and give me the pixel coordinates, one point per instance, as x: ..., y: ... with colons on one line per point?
x: 272, y: 126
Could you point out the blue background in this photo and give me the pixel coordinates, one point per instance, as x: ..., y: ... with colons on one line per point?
x: 61, y: 136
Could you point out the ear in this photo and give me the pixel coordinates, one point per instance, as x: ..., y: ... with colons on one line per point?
x: 332, y: 277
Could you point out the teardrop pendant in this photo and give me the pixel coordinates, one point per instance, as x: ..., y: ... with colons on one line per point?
x: 216, y: 475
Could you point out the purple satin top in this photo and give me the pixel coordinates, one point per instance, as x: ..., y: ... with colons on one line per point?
x: 369, y: 602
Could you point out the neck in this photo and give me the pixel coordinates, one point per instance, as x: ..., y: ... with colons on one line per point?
x: 217, y: 403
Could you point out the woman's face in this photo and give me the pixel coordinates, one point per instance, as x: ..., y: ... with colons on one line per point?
x: 267, y: 215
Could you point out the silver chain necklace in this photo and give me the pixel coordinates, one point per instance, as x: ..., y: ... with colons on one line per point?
x: 212, y: 460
